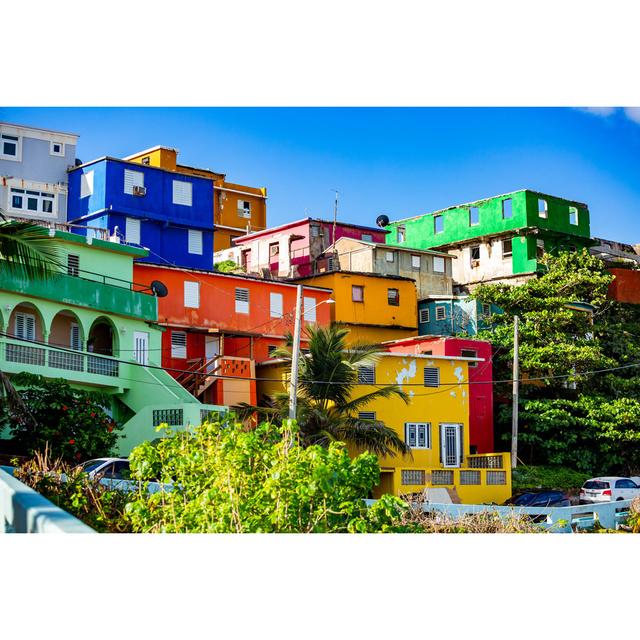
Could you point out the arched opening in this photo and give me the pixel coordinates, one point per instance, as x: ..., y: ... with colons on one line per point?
x: 25, y: 325
x: 66, y: 332
x: 103, y: 338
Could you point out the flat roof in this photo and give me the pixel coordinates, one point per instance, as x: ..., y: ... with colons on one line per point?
x: 25, y: 126
x: 352, y: 273
x: 392, y: 247
x: 100, y: 244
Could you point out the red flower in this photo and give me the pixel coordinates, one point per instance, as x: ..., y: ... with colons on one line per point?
x: 64, y: 407
x: 109, y: 429
x: 93, y: 415
x: 72, y: 441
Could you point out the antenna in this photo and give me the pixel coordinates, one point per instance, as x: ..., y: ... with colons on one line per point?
x: 335, y: 216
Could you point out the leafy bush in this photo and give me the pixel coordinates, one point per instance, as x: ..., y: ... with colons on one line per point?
x: 71, y: 423
x: 559, y: 478
x: 231, y: 479
x: 227, y: 266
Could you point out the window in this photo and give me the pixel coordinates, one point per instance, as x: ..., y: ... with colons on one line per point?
x: 56, y: 148
x: 438, y: 224
x: 401, y: 234
x: 357, y: 293
x: 390, y: 256
x: 33, y: 202
x: 474, y: 254
x: 542, y: 208
x: 25, y: 326
x: 469, y: 353
x: 366, y: 374
x: 10, y: 147
x: 423, y: 315
x: 192, y: 294
x: 195, y: 242
x: 486, y: 309
x: 366, y: 415
x: 415, y: 262
x: 132, y: 179
x: 73, y: 265
x: 367, y: 237
x: 315, y: 231
x: 507, y: 209
x: 178, y: 344
x: 274, y: 250
x: 86, y: 184
x: 573, y: 215
x: 309, y: 305
x: 393, y: 297
x: 441, y: 312
x: 271, y: 348
x: 146, y: 160
x: 539, y: 249
x: 244, y: 208
x: 474, y: 216
x: 431, y: 377
x: 438, y: 264
x: 242, y: 300
x: 182, y: 192
x: 412, y: 477
x: 507, y: 248
x: 132, y: 230
x: 418, y: 435
x: 469, y: 476
x: 74, y: 338
x: 626, y: 484
x: 496, y: 477
x: 275, y: 305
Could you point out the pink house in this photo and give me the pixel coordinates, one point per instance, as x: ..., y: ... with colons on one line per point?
x: 294, y: 249
x: 480, y: 379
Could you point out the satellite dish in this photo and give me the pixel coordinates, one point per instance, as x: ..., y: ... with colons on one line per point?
x: 382, y: 221
x: 159, y: 289
x: 78, y: 162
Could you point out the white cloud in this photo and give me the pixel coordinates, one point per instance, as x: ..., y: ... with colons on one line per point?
x: 605, y: 112
x: 633, y: 113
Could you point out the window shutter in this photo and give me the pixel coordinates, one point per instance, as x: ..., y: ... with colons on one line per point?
x: 431, y: 377
x: 75, y: 337
x: 440, y: 313
x: 86, y: 184
x: 415, y: 262
x: 192, y: 294
x: 73, y: 265
x: 195, y: 241
x: 132, y: 230
x: 178, y: 344
x: 310, y: 309
x: 242, y: 300
x: 182, y: 191
x: 424, y: 315
x: 366, y: 374
x: 275, y: 305
x: 438, y: 264
x: 25, y: 326
x: 366, y: 415
x: 132, y: 179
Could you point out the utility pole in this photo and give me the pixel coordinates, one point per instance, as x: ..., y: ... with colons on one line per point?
x: 295, y: 356
x: 514, y: 415
x: 335, y: 217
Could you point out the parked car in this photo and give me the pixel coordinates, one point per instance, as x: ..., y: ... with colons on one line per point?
x: 540, y: 499
x: 609, y: 489
x: 115, y: 473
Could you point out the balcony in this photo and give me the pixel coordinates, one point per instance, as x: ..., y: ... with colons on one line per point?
x: 87, y: 289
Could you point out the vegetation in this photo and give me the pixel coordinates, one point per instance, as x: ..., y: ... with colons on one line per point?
x: 540, y: 477
x: 327, y: 383
x: 569, y: 416
x: 227, y: 266
x: 71, y: 424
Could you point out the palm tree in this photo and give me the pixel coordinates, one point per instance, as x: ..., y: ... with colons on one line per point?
x: 327, y: 379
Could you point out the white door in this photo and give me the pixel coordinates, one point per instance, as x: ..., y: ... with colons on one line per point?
x: 141, y: 347
x: 451, y: 444
x: 211, y: 350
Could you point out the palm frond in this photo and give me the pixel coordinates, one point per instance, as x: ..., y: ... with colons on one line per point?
x: 391, y: 391
x: 371, y: 435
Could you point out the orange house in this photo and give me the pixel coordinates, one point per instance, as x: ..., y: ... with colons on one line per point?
x: 218, y: 325
x: 237, y: 209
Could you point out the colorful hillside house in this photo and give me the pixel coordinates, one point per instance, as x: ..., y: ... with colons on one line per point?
x: 454, y: 315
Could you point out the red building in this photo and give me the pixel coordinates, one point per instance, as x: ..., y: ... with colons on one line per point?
x: 625, y: 286
x: 294, y: 249
x: 480, y: 379
x: 220, y: 324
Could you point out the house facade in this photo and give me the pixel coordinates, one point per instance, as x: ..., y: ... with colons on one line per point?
x: 431, y: 270
x: 454, y: 315
x: 168, y: 213
x: 94, y: 327
x: 237, y: 209
x: 33, y: 172
x: 293, y: 249
x: 498, y: 239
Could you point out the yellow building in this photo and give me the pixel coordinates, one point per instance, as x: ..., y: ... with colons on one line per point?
x: 238, y: 209
x: 373, y: 307
x: 435, y: 424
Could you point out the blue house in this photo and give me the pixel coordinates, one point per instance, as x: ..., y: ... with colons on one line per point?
x: 168, y: 213
x: 454, y: 315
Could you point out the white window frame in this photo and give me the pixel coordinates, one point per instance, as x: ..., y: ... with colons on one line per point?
x: 25, y: 324
x: 40, y: 197
x: 275, y: 305
x: 423, y: 316
x: 418, y: 435
x: 509, y: 253
x: 390, y: 256
x: 473, y: 260
x: 367, y: 237
x: 182, y: 193
x: 439, y: 260
x: 194, y: 242
x: 86, y: 184
x: 244, y: 208
x: 136, y: 180
x: 132, y: 230
x: 361, y: 287
x: 414, y: 266
x: 243, y: 298
x: 545, y: 212
x: 401, y: 234
x: 62, y: 149
x: 191, y: 294
x: 441, y: 312
x: 574, y: 211
x: 179, y: 347
x: 18, y: 143
x: 309, y: 306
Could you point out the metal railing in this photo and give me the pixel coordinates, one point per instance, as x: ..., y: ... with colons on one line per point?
x: 96, y: 232
x: 486, y: 461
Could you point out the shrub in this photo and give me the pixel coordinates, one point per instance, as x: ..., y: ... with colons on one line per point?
x: 559, y: 478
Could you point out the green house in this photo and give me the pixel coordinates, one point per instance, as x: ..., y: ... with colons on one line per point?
x: 95, y: 328
x: 500, y: 238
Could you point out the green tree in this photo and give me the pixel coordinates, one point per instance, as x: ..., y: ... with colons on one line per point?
x: 327, y: 410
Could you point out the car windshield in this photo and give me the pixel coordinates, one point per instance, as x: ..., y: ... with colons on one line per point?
x: 596, y: 484
x: 91, y: 465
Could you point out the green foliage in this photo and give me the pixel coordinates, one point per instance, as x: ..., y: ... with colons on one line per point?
x: 540, y: 477
x: 70, y: 422
x: 227, y: 266
x: 231, y: 479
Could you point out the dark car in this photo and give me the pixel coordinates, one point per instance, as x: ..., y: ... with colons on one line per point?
x: 540, y: 499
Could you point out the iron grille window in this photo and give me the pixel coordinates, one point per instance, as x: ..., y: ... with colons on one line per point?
x: 393, y: 297
x: 366, y: 375
x: 431, y: 377
x: 496, y: 477
x: 424, y: 315
x: 178, y: 344
x: 366, y: 415
x: 418, y: 435
x: 73, y: 265
x: 469, y: 477
x: 172, y: 417
x: 441, y: 313
x: 441, y: 476
x: 412, y: 477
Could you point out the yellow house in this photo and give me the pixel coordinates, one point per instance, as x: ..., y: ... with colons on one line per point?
x: 435, y: 424
x: 375, y: 308
x: 238, y: 209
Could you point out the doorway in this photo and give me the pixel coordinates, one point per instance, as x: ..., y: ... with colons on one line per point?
x: 451, y: 444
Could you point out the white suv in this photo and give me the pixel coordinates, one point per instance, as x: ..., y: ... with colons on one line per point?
x: 609, y: 489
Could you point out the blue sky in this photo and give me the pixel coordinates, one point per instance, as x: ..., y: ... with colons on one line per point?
x: 398, y: 161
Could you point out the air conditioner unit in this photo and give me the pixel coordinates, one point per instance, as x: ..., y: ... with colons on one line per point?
x: 139, y: 191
